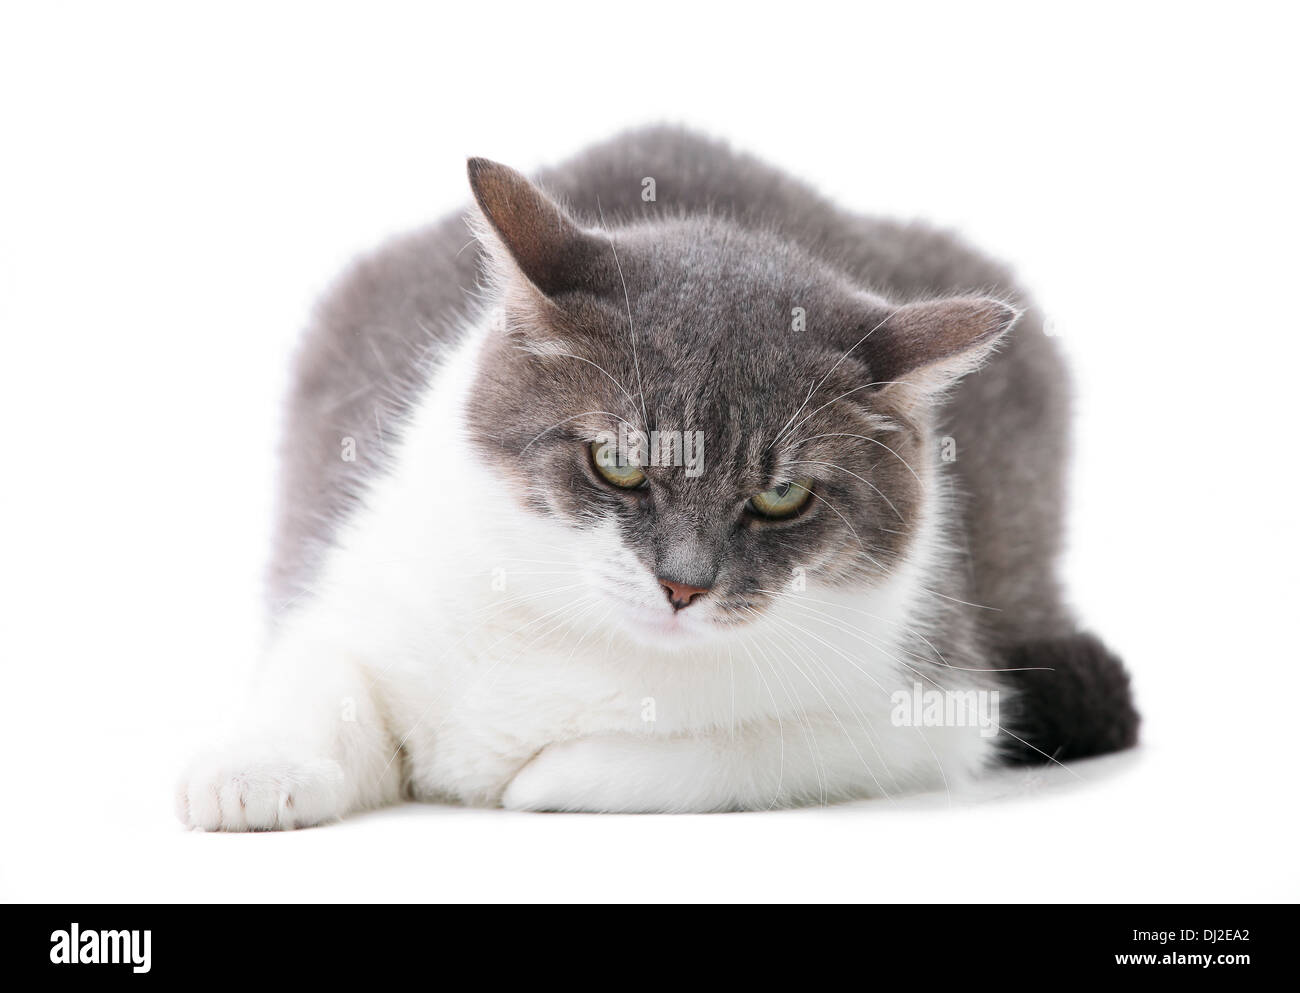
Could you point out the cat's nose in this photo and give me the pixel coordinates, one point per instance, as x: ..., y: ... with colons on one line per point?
x: 680, y: 594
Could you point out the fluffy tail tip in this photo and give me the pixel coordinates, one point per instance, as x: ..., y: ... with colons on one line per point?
x: 1072, y: 701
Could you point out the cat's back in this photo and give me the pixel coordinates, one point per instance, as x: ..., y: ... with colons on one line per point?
x: 686, y: 172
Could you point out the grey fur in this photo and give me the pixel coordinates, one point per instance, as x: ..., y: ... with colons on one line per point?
x: 709, y: 272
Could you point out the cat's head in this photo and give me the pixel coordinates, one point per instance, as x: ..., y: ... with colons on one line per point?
x: 792, y: 409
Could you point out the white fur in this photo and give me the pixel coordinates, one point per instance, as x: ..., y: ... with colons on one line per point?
x: 405, y: 671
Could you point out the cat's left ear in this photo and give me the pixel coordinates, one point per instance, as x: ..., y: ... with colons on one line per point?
x: 527, y: 229
x: 929, y: 346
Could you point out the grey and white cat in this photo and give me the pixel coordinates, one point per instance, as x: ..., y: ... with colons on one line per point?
x: 490, y: 588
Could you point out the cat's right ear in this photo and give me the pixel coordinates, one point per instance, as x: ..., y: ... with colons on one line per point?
x: 529, y: 231
x: 926, y: 347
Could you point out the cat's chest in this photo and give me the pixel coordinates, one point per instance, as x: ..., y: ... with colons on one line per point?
x: 469, y: 715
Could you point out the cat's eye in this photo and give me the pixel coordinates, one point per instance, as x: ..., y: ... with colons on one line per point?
x: 604, y: 456
x: 785, y: 500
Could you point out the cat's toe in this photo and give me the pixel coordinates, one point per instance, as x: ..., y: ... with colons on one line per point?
x: 225, y: 792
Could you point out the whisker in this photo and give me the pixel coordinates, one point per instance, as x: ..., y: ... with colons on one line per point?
x: 631, y: 332
x: 934, y: 682
x: 863, y: 437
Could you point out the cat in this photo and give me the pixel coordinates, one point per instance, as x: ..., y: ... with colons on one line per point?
x: 490, y: 588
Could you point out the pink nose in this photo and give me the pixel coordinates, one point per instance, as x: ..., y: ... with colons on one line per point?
x: 681, y: 595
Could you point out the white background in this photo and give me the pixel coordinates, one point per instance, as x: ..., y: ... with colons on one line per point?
x: 176, y: 187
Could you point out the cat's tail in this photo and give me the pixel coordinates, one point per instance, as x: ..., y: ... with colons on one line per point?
x: 1071, y: 700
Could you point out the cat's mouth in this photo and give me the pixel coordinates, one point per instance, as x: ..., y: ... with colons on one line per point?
x: 665, y: 626
x: 638, y: 619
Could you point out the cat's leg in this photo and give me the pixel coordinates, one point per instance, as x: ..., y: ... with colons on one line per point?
x: 313, y: 747
x: 767, y: 764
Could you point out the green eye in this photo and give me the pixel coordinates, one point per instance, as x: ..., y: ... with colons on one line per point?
x: 781, y: 501
x: 604, y: 456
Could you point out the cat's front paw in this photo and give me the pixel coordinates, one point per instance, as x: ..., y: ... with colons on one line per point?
x: 244, y: 790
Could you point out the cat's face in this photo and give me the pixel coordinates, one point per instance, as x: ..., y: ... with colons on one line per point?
x: 714, y: 418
